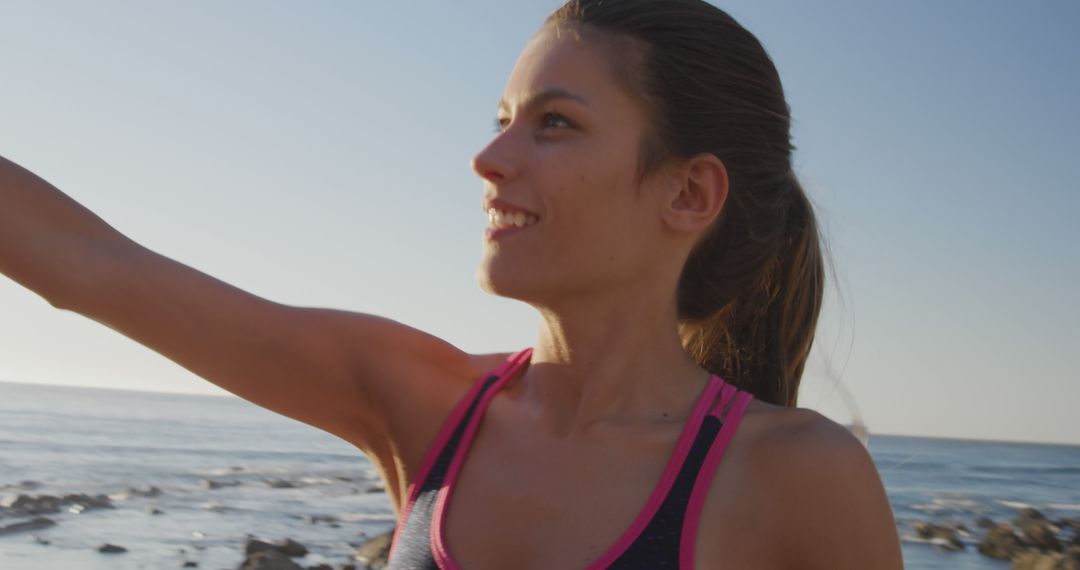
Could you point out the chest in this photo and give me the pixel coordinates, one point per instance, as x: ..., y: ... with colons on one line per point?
x: 520, y: 503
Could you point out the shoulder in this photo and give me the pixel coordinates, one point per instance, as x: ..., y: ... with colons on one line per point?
x: 824, y: 492
x: 415, y: 406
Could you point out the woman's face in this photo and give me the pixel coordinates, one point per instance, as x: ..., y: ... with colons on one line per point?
x: 568, y: 216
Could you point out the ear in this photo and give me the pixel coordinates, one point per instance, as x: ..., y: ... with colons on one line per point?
x: 697, y: 194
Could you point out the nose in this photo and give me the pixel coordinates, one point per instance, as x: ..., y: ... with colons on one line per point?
x: 494, y: 162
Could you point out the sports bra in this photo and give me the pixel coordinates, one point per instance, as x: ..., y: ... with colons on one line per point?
x: 661, y: 536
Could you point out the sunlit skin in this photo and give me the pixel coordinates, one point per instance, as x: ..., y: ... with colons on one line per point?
x: 602, y: 263
x: 569, y: 451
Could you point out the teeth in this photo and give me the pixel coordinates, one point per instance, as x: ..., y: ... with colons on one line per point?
x: 499, y: 219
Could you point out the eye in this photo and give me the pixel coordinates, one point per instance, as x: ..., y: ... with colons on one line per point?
x: 549, y: 120
x: 552, y: 119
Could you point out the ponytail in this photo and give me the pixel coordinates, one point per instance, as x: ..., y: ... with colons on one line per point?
x: 751, y: 290
x: 757, y: 338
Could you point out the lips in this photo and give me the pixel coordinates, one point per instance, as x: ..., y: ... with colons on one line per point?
x: 505, y: 218
x: 507, y: 207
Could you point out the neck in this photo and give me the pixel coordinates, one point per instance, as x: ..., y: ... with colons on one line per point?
x: 614, y: 361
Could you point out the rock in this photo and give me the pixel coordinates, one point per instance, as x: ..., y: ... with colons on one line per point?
x: 376, y: 550
x: 87, y: 501
x: 1028, y: 514
x: 376, y: 489
x: 940, y: 535
x: 320, y: 567
x: 280, y: 483
x: 211, y: 484
x: 35, y: 524
x: 1070, y: 559
x: 24, y: 485
x: 1001, y: 543
x: 134, y: 492
x: 288, y: 547
x: 189, y: 564
x: 255, y: 545
x: 27, y: 505
x: 985, y: 522
x: 1031, y: 560
x: 1039, y: 533
x: 315, y: 519
x: 111, y: 549
x: 1073, y: 525
x: 269, y: 560
x: 291, y: 548
x: 154, y: 511
x: 923, y: 529
x: 15, y: 505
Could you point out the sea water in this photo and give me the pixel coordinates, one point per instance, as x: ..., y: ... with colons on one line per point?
x: 278, y: 478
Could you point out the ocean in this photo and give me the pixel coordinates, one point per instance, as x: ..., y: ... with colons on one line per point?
x: 223, y: 470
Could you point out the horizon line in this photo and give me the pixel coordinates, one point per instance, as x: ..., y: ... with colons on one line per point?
x: 228, y: 394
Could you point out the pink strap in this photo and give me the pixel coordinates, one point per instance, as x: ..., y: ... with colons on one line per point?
x: 671, y: 472
x: 447, y: 429
x: 678, y: 457
x: 688, y: 540
x: 438, y: 540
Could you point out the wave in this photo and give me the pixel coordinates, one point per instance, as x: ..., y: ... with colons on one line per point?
x: 1029, y: 469
x: 1047, y: 506
x: 1014, y: 504
x: 940, y: 505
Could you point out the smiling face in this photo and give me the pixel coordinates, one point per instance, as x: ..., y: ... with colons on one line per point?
x: 569, y: 216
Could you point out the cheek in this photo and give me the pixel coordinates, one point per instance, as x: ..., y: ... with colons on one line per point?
x: 600, y: 226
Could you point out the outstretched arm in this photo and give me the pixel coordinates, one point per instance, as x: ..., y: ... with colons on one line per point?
x: 332, y: 369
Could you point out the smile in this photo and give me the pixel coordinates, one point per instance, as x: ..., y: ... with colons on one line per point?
x: 499, y: 219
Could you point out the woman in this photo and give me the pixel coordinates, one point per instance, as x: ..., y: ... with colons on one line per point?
x: 640, y: 197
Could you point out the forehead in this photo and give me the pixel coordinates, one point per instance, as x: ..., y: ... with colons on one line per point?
x: 562, y: 59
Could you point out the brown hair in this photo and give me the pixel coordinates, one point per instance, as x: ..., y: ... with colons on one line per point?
x: 752, y: 288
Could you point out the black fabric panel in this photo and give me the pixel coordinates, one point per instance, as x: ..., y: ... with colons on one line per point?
x: 657, y: 546
x: 413, y: 548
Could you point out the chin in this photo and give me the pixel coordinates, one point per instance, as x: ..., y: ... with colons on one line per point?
x: 504, y: 281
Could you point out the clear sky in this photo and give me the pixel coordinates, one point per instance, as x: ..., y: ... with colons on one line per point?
x: 318, y: 154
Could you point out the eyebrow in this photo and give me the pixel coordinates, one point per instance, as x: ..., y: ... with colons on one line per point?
x: 545, y: 96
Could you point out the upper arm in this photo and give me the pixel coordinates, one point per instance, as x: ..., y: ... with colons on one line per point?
x: 344, y: 372
x: 836, y: 514
x: 328, y: 368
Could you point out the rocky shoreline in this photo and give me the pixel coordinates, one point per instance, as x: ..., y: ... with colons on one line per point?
x: 40, y: 512
x: 1030, y: 541
x: 261, y: 555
